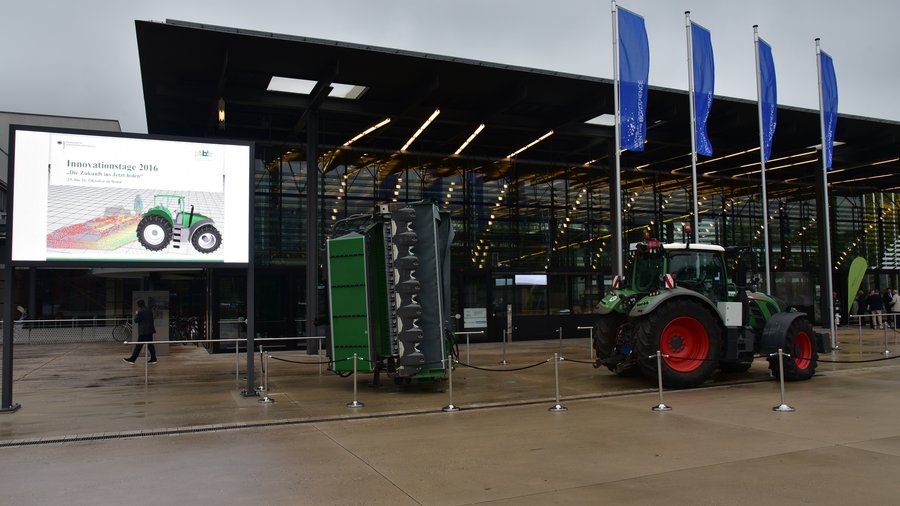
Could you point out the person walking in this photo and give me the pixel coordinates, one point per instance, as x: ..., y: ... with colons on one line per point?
x: 886, y: 298
x: 895, y: 306
x: 143, y: 318
x: 876, y: 307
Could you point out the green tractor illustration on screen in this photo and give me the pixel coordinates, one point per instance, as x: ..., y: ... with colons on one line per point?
x: 166, y: 222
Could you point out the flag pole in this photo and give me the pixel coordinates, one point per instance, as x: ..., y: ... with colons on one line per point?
x: 829, y: 290
x: 690, y: 54
x: 616, y: 188
x: 762, y: 162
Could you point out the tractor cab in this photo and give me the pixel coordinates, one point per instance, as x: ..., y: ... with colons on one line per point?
x: 654, y: 266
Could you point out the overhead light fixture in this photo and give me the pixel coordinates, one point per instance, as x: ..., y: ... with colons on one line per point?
x: 421, y: 129
x: 305, y: 86
x: 532, y: 143
x: 863, y: 178
x: 221, y: 111
x: 887, y: 161
x: 368, y: 131
x: 770, y: 169
x: 603, y: 120
x: 471, y: 137
x: 818, y: 147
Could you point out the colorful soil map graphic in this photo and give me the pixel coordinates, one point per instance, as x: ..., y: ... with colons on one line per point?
x: 106, y: 233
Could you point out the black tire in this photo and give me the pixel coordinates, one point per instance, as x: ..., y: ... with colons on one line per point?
x: 686, y: 331
x: 606, y: 331
x: 611, y: 352
x: 154, y: 232
x: 800, y: 344
x: 206, y: 239
x: 121, y: 333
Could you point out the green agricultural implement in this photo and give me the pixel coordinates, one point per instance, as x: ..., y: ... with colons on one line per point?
x: 389, y: 292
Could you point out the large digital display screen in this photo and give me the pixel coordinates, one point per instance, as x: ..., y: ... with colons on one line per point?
x: 85, y: 197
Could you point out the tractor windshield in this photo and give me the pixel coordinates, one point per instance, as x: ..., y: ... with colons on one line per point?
x: 646, y: 271
x: 701, y: 271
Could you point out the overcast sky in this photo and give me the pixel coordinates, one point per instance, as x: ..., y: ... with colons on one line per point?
x: 79, y: 57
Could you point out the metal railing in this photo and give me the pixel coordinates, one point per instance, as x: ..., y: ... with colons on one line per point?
x: 237, y: 350
x: 65, y: 330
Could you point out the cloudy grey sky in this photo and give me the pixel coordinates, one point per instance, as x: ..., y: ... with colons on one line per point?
x: 79, y: 58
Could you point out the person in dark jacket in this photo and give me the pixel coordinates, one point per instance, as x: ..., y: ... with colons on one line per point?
x: 143, y: 318
x: 859, y: 304
x: 875, y: 305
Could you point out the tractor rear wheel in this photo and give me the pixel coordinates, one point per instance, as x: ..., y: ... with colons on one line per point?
x: 206, y: 239
x: 154, y: 232
x: 800, y: 345
x: 686, y: 331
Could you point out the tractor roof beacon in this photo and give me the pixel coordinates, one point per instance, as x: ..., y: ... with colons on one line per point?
x: 690, y: 302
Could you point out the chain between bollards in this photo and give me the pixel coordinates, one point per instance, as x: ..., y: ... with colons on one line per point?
x: 558, y: 408
x: 662, y: 405
x: 354, y: 403
x: 783, y: 407
x: 450, y: 408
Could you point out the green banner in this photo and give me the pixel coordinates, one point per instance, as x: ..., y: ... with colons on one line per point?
x: 854, y: 278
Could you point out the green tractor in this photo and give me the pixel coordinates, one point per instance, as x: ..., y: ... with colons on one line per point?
x: 166, y: 222
x: 678, y: 299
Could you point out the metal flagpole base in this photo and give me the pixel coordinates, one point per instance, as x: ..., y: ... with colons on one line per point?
x: 503, y: 362
x: 661, y: 407
x: 355, y: 404
x: 249, y: 393
x: 449, y: 408
x: 784, y: 408
x: 559, y: 408
x: 11, y: 409
x: 266, y: 400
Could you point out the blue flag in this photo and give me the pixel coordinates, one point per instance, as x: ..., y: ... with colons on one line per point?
x: 768, y: 97
x: 704, y: 83
x: 829, y: 105
x: 634, y: 70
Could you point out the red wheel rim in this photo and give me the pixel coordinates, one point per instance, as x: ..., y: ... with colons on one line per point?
x: 802, y: 350
x: 686, y: 343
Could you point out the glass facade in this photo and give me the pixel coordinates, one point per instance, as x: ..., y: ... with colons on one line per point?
x: 527, y: 239
x: 556, y: 223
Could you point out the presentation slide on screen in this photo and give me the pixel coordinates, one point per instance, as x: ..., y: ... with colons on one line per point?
x: 80, y: 197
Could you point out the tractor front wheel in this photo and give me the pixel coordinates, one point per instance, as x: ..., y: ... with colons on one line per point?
x: 688, y: 336
x: 606, y: 336
x: 803, y: 357
x: 206, y: 239
x: 154, y: 232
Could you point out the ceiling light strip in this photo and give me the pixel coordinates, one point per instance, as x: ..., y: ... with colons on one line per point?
x: 770, y: 169
x: 532, y: 143
x: 421, y: 129
x: 471, y: 137
x: 367, y: 131
x: 862, y: 179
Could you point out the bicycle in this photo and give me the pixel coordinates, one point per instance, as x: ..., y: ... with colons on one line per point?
x: 122, y: 332
x: 185, y: 329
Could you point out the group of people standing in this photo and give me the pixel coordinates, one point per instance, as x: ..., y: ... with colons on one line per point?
x: 877, y: 304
